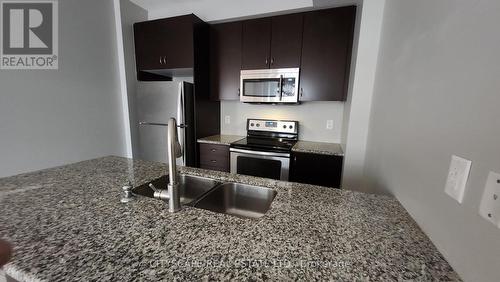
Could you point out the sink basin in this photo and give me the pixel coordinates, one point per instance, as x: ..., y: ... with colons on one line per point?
x: 237, y: 199
x: 191, y: 188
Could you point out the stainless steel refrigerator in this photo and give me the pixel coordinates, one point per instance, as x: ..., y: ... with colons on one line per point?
x: 156, y: 102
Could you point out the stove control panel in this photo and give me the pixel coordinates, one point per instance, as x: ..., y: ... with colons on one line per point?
x: 281, y: 126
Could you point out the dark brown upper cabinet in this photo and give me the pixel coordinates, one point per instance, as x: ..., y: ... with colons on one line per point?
x: 225, y: 61
x: 317, y: 42
x: 166, y: 44
x: 256, y: 44
x: 273, y: 42
x: 326, y: 54
x: 286, y: 41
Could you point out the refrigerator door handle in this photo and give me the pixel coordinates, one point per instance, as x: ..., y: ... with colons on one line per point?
x: 152, y: 123
x: 161, y: 124
x: 181, y: 120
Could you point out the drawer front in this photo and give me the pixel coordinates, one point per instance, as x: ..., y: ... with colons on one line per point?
x: 213, y: 151
x: 220, y: 162
x: 214, y: 157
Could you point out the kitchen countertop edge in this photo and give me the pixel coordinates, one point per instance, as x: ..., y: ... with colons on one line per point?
x: 220, y: 139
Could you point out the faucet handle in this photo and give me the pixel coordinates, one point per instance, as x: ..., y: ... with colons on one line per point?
x: 161, y: 194
x: 153, y: 187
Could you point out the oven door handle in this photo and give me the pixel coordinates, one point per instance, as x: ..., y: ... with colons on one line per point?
x: 259, y: 153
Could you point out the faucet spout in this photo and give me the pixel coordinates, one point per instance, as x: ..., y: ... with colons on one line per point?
x: 174, y: 151
x: 171, y: 194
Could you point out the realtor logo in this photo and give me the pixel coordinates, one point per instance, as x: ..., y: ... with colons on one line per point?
x: 29, y: 34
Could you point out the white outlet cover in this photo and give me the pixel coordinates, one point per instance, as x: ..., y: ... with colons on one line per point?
x: 227, y: 119
x: 457, y: 178
x: 489, y: 208
x: 329, y: 124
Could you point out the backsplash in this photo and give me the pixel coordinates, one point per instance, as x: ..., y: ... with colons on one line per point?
x: 312, y: 117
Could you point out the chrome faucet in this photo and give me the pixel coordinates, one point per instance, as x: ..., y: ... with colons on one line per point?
x: 171, y: 194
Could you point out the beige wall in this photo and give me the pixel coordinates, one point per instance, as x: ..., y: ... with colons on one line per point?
x: 312, y: 117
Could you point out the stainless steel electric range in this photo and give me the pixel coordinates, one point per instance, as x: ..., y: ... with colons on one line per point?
x: 266, y: 150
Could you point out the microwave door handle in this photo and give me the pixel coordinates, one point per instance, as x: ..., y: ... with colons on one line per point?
x: 281, y: 87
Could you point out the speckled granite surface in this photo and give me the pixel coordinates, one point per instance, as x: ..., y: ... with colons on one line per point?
x: 318, y: 148
x: 75, y: 228
x: 220, y: 139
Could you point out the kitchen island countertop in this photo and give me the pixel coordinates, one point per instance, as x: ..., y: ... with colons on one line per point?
x: 67, y: 223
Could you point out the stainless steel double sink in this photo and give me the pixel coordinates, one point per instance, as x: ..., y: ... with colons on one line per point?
x: 241, y: 200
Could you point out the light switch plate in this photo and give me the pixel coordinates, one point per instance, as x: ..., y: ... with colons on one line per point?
x: 329, y: 124
x: 457, y: 178
x: 227, y: 119
x: 490, y: 202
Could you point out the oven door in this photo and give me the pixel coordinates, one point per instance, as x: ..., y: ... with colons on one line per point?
x: 269, y: 86
x: 261, y: 164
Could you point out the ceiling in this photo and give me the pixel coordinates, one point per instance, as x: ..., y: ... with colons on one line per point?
x: 220, y: 10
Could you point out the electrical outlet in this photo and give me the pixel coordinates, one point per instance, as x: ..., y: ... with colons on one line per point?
x: 227, y: 119
x: 329, y: 124
x: 457, y: 178
x: 490, y: 203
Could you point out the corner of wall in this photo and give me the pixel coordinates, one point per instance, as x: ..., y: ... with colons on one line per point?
x: 126, y: 13
x: 358, y: 105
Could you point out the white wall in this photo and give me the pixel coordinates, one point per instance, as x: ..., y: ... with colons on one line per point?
x: 361, y: 86
x: 130, y: 14
x: 312, y: 117
x: 55, y: 117
x: 437, y: 94
x: 214, y: 10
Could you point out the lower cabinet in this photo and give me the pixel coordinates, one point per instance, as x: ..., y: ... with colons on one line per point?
x: 316, y: 169
x: 214, y: 157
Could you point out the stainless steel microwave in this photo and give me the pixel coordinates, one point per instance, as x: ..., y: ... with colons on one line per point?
x: 270, y: 86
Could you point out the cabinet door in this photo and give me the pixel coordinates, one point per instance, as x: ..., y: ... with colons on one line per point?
x: 164, y: 44
x: 326, y: 54
x: 175, y: 40
x: 286, y: 41
x: 316, y: 169
x: 147, y: 55
x: 256, y: 44
x: 225, y: 61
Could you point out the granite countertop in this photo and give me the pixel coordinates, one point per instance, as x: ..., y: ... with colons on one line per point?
x: 318, y: 148
x: 67, y: 223
x: 220, y: 139
x: 301, y: 146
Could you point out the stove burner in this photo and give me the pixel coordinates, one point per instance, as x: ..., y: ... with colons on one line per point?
x: 265, y: 144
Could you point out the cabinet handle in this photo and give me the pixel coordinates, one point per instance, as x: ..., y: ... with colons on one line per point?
x: 213, y: 161
x: 213, y: 150
x: 272, y: 61
x: 161, y: 60
x: 301, y: 92
x: 239, y: 92
x: 266, y: 61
